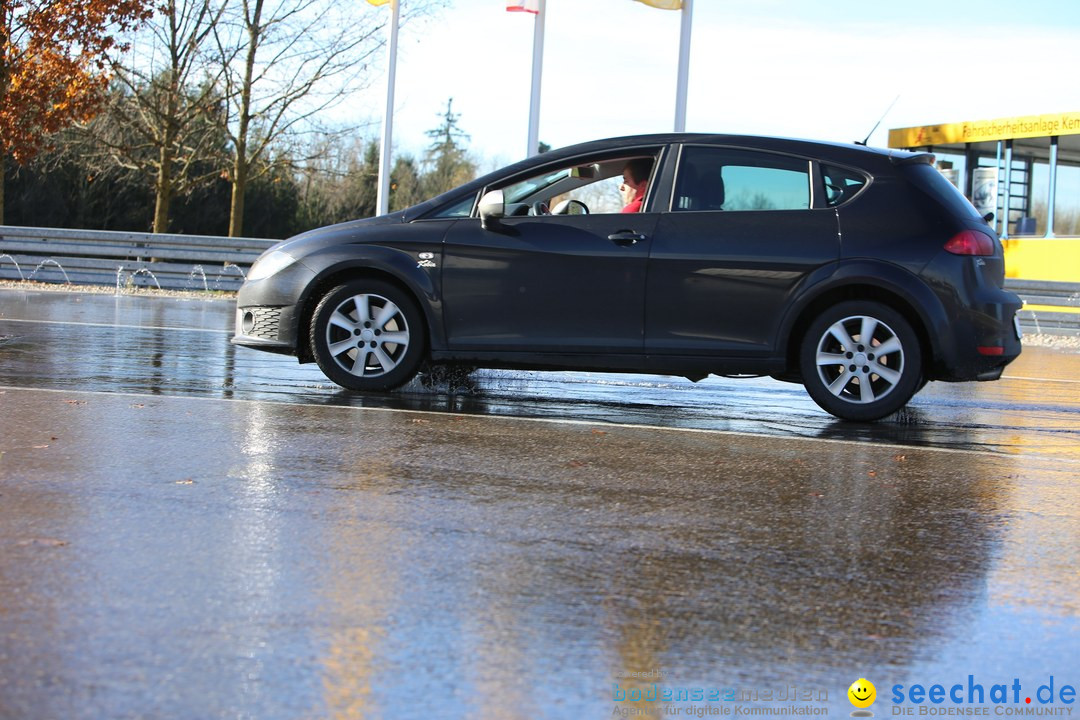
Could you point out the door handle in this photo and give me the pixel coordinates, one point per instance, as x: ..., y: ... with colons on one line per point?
x: 626, y: 238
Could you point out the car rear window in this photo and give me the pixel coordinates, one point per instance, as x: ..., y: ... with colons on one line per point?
x: 930, y: 180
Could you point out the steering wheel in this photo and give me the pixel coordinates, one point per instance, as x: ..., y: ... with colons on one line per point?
x: 539, y: 208
x: 570, y: 207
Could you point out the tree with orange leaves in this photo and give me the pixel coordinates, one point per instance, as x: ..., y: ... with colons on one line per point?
x: 53, y: 60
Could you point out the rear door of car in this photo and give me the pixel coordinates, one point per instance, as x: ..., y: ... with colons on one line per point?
x: 741, y: 235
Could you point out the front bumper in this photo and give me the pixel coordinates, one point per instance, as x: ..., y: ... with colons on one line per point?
x: 269, y: 328
x: 268, y: 311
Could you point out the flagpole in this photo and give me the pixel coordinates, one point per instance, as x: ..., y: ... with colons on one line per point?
x: 537, y: 68
x: 684, y: 65
x: 382, y: 198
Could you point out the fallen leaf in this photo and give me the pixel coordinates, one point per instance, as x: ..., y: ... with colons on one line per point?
x: 900, y: 458
x: 599, y: 432
x: 75, y: 402
x: 189, y: 481
x: 577, y: 463
x: 417, y: 421
x: 42, y: 542
x: 872, y: 473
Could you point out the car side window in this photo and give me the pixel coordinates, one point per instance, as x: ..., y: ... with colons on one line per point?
x: 841, y: 184
x: 581, y: 187
x: 711, y: 179
x: 601, y: 196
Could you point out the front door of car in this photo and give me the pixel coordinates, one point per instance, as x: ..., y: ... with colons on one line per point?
x: 727, y: 260
x: 551, y: 283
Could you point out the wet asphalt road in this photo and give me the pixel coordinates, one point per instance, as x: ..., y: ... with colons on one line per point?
x: 193, y: 530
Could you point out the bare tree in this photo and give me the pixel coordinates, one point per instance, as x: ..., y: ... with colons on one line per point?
x: 161, y: 114
x: 286, y: 62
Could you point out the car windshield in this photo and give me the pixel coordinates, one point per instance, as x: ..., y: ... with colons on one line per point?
x: 521, y: 190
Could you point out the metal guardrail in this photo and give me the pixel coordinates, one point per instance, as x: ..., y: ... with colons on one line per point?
x: 200, y: 262
x: 100, y: 257
x: 1046, y: 293
x: 1049, y: 307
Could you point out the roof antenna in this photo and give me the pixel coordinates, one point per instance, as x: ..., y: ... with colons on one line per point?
x: 867, y: 139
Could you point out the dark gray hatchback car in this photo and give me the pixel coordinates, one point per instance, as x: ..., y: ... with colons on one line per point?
x: 860, y: 273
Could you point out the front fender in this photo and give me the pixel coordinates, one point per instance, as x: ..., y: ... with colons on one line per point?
x: 421, y: 276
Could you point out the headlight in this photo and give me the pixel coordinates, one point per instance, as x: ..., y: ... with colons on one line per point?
x: 270, y: 264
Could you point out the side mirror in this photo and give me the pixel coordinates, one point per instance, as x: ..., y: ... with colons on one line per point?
x: 492, y: 209
x: 570, y: 207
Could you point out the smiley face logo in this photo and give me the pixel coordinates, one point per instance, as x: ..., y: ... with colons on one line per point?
x: 862, y: 693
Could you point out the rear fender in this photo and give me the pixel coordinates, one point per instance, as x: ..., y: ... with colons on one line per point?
x: 883, y: 282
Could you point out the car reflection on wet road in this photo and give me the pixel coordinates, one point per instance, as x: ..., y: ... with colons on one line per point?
x: 188, y: 529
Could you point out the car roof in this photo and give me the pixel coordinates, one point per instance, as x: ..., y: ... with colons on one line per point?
x: 764, y: 142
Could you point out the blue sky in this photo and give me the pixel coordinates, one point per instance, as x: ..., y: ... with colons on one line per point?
x: 823, y: 70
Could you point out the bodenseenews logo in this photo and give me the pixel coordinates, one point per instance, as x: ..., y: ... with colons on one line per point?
x: 977, y: 698
x: 669, y: 693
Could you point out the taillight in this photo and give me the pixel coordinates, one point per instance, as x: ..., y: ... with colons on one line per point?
x: 970, y: 242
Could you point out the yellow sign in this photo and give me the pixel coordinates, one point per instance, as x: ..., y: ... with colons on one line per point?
x: 1027, y: 126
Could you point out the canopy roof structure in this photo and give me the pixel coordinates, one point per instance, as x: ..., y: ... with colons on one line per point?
x: 1029, y: 135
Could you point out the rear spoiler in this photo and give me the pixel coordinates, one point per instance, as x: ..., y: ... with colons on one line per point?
x: 918, y: 158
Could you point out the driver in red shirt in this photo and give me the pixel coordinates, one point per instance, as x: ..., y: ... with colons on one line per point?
x: 635, y: 180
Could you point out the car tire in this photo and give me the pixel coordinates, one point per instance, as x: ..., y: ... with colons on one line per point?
x: 368, y: 335
x: 850, y: 377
